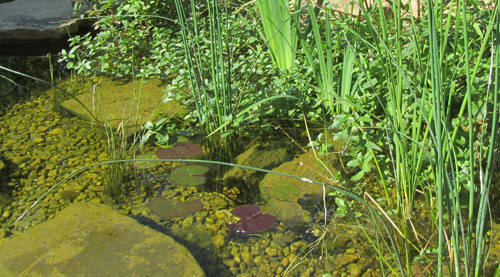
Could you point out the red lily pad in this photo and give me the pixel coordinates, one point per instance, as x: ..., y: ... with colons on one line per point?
x: 252, y: 220
x: 180, y: 150
x: 188, y: 175
x: 169, y: 209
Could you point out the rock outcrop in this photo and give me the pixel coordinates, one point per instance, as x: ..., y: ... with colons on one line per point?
x: 93, y: 240
x: 29, y: 26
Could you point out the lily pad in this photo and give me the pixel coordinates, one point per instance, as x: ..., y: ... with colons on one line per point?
x: 252, y: 220
x: 283, y: 191
x: 180, y: 150
x: 169, y: 209
x: 145, y: 164
x: 188, y: 175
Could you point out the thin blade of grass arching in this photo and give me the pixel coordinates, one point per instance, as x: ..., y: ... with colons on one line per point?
x: 280, y: 29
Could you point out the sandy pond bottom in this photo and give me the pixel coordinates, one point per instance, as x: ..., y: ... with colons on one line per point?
x: 39, y: 147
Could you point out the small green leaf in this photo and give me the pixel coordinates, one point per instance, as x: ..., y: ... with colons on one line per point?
x: 358, y: 176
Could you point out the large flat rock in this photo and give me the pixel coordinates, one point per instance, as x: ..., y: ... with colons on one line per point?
x: 93, y: 240
x: 120, y: 104
x: 37, y: 22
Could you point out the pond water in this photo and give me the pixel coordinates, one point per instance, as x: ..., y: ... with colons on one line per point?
x: 39, y: 146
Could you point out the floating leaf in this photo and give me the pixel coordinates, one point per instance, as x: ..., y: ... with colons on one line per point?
x: 145, y: 164
x: 252, y: 220
x: 188, y: 175
x: 180, y: 150
x: 283, y: 191
x: 168, y: 209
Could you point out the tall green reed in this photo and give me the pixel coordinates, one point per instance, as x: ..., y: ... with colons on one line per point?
x: 417, y: 91
x: 321, y: 64
x: 281, y: 29
x: 212, y: 82
x: 210, y: 90
x: 424, y: 135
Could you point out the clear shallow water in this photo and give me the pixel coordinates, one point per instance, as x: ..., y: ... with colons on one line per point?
x: 40, y: 146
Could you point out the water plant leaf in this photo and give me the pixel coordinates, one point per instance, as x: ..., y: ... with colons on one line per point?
x: 252, y: 220
x: 283, y: 191
x: 188, y: 175
x: 145, y: 164
x: 168, y: 208
x: 180, y: 150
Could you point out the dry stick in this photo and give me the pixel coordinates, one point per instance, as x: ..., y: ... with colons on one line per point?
x: 414, y: 231
x: 384, y: 213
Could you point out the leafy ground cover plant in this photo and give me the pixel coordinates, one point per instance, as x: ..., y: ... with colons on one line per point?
x: 129, y: 40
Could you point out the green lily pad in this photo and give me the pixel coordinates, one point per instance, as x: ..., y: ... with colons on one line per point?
x: 188, y: 175
x: 169, y: 209
x: 145, y: 164
x: 283, y: 191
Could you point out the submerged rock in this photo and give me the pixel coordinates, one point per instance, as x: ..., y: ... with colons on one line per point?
x: 275, y: 188
x: 265, y: 156
x: 121, y: 105
x: 180, y: 150
x: 93, y: 240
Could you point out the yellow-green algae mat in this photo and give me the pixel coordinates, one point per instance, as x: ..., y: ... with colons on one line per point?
x: 93, y: 240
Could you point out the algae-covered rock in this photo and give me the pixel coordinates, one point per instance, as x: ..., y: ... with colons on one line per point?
x: 116, y: 103
x: 93, y: 240
x: 265, y: 155
x: 282, y: 194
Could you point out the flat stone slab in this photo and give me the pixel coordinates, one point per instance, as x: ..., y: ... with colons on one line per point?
x: 36, y: 26
x: 122, y: 105
x: 93, y: 240
x: 36, y: 19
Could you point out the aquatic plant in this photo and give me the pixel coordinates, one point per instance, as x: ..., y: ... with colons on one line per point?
x: 220, y: 106
x: 170, y: 209
x: 281, y: 28
x: 188, y: 175
x: 252, y: 220
x: 436, y: 72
